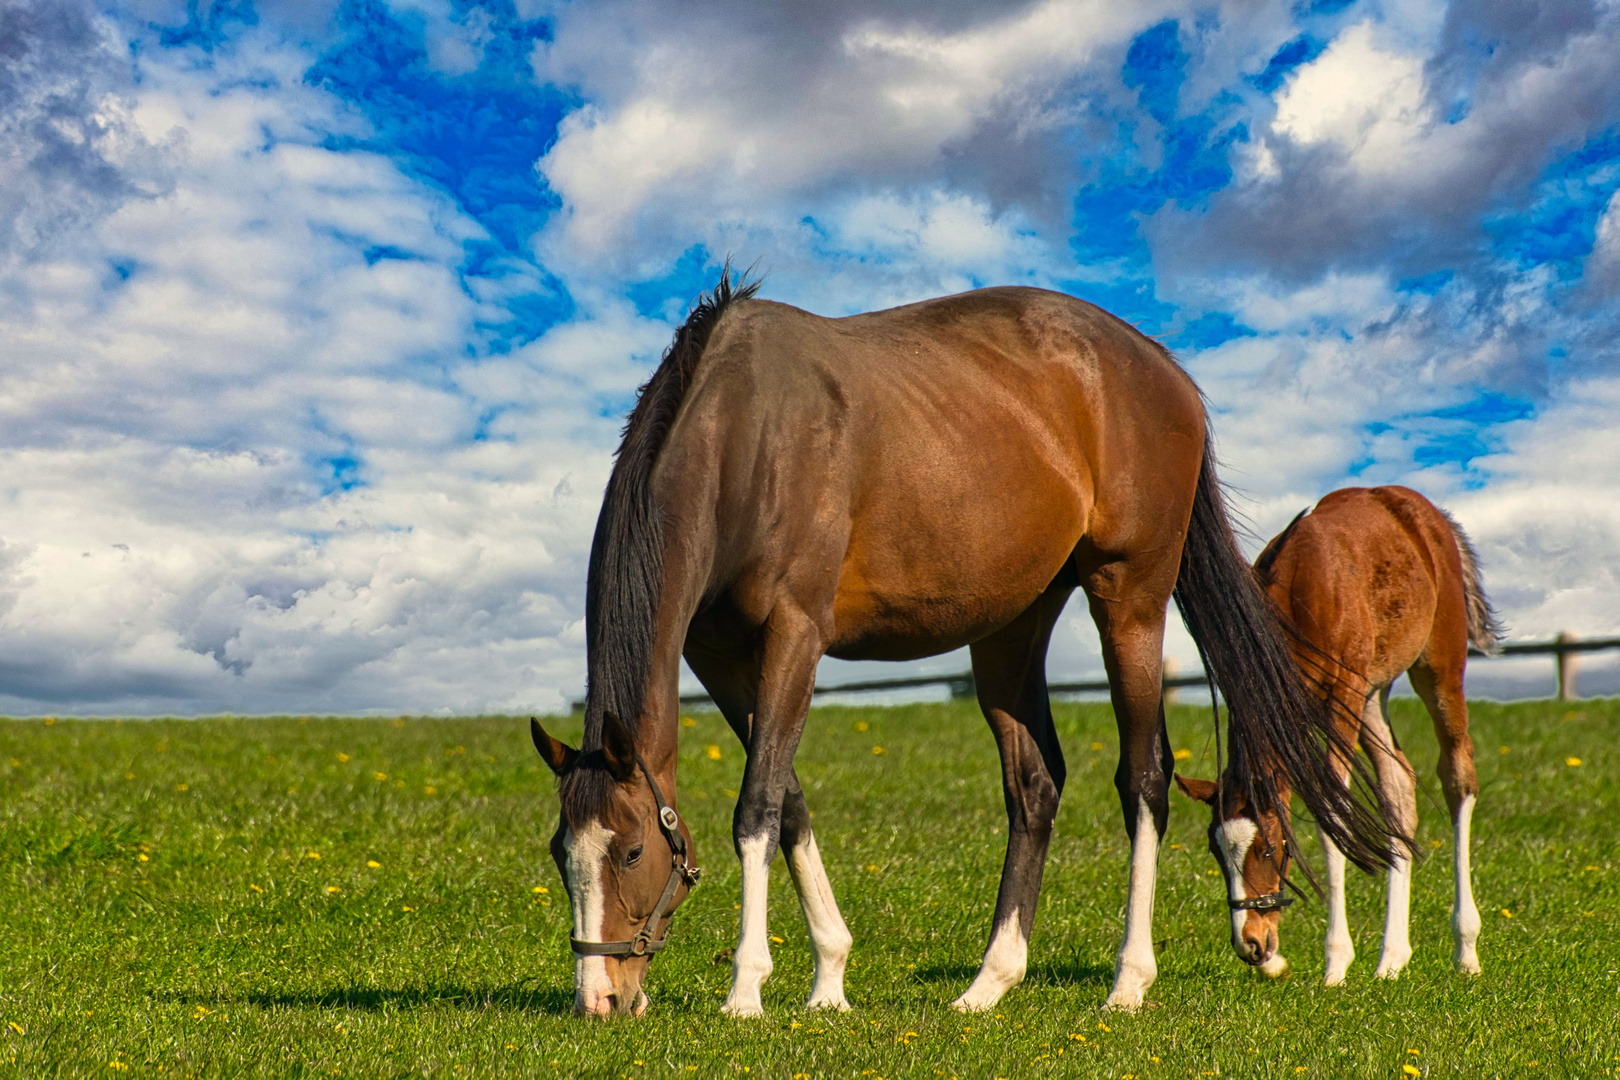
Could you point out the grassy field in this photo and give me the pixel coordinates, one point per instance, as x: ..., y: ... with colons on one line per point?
x: 343, y: 897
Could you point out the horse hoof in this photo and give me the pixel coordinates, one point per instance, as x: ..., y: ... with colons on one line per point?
x: 1276, y: 968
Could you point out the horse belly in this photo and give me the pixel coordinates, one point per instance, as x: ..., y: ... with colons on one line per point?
x: 918, y: 583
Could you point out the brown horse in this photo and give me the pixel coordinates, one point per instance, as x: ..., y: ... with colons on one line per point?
x: 891, y: 486
x: 1377, y: 581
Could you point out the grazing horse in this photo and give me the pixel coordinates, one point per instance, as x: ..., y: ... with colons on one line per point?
x: 1376, y: 581
x: 891, y: 486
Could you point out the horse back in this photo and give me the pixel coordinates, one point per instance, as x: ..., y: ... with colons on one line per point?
x: 927, y: 471
x: 1373, y: 579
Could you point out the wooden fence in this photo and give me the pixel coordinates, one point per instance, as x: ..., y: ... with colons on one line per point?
x: 1564, y: 649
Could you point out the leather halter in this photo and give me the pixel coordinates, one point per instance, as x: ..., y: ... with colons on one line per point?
x: 1271, y: 901
x: 644, y: 943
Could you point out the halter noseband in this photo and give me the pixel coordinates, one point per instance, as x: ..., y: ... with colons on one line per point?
x: 644, y: 943
x: 1271, y: 901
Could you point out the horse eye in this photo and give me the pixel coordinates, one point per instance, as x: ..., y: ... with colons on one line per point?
x: 633, y: 857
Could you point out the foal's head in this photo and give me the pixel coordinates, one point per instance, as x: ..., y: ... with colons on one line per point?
x: 625, y: 869
x: 1250, y: 846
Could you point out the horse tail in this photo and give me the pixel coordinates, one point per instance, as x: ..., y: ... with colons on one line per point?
x: 1484, y: 629
x: 1282, y: 735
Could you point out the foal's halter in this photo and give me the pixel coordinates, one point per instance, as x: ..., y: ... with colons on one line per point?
x: 1271, y: 901
x: 645, y: 943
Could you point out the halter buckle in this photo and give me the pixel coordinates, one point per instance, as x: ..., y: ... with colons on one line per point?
x: 666, y: 815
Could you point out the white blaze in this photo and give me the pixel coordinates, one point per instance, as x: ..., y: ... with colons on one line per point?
x: 587, y: 851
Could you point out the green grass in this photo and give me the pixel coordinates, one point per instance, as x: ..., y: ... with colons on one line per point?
x: 162, y: 908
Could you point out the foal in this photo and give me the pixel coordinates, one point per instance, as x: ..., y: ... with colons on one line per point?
x: 1376, y: 581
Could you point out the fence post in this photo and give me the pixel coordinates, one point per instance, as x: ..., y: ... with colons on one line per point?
x: 1567, y: 690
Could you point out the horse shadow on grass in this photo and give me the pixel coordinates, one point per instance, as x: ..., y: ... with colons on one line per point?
x: 519, y: 996
x: 1057, y: 973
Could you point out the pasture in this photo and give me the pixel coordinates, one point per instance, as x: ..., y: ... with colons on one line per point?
x: 360, y: 897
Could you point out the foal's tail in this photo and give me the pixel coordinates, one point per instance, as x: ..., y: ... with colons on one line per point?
x: 1280, y: 732
x: 1484, y: 629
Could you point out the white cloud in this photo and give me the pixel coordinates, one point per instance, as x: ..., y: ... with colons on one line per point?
x: 1367, y: 101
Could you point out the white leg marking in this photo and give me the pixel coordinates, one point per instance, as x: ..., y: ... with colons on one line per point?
x: 1398, y: 790
x: 1135, y: 969
x: 1464, y: 915
x: 586, y: 851
x: 751, y: 965
x: 1337, y: 946
x: 1235, y: 838
x: 1004, y: 964
x: 1397, y: 943
x: 829, y: 937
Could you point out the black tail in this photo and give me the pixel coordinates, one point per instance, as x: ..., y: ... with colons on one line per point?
x: 1279, y: 729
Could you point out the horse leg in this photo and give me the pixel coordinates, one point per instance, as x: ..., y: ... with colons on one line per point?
x: 733, y: 684
x: 1009, y: 670
x: 1399, y: 786
x: 787, y: 676
x: 1337, y: 948
x: 1441, y: 688
x: 1132, y: 633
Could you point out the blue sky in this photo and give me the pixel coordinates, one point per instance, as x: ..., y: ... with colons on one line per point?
x: 320, y: 316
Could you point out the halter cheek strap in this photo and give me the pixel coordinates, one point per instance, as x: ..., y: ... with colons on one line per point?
x: 645, y: 943
x: 1272, y: 901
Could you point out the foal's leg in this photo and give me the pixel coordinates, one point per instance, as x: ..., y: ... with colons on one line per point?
x: 1132, y: 632
x: 1440, y: 685
x: 733, y: 685
x: 1399, y: 786
x: 1337, y: 948
x: 787, y: 677
x: 1009, y: 669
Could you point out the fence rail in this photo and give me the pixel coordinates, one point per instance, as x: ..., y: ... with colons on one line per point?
x: 1564, y: 648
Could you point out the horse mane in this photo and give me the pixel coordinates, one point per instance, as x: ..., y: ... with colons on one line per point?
x: 627, y: 551
x: 1484, y: 628
x: 1263, y: 564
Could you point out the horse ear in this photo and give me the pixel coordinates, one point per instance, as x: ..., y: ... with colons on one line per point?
x: 1202, y: 790
x: 618, y: 747
x: 556, y: 753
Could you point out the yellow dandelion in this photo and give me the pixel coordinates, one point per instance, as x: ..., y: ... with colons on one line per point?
x: 1591, y: 869
x: 871, y: 868
x: 18, y: 1028
x: 430, y: 790
x: 1299, y: 1069
x: 1103, y: 1027
x: 407, y: 909
x: 510, y: 1046
x: 776, y: 940
x: 1153, y: 1059
x: 541, y: 889
x: 1096, y: 746
x: 379, y: 776
x: 399, y: 722
x: 712, y: 752
x: 182, y: 787
x: 1183, y: 754
x: 879, y: 750
x: 50, y: 721
x: 1175, y: 847
x: 1415, y: 1053
x: 1506, y: 914
x: 373, y: 864
x: 1502, y: 750
x: 1573, y: 762
x: 640, y: 1062
x: 16, y: 763
x: 1437, y: 844
x: 127, y: 776
x: 862, y: 725
x: 117, y: 1066
x: 1410, y: 1070
x: 254, y: 887
x: 342, y: 757
x: 143, y: 857
x: 687, y: 721
x: 332, y: 889
x: 312, y: 855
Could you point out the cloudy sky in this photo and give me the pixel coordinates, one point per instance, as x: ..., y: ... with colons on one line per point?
x: 317, y: 318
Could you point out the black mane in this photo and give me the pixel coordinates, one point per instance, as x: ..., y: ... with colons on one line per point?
x: 627, y: 552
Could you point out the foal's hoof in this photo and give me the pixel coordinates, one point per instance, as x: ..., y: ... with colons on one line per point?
x: 1275, y: 968
x: 1120, y: 1001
